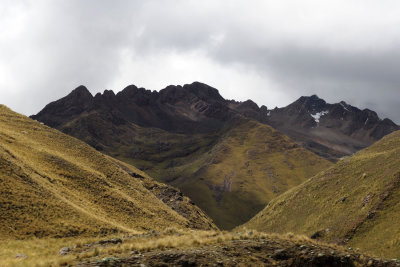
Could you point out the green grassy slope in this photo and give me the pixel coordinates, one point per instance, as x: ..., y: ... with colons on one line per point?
x: 54, y: 185
x: 356, y: 202
x: 249, y: 165
x: 257, y: 161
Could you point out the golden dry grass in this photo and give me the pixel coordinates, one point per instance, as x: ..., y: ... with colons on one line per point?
x: 53, y: 185
x: 45, y: 252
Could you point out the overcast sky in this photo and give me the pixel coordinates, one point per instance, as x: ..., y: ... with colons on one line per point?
x: 269, y: 51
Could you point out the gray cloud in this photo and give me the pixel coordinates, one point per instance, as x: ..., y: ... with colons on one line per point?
x: 269, y: 51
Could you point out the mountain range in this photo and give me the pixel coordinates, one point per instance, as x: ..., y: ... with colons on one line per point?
x: 230, y: 157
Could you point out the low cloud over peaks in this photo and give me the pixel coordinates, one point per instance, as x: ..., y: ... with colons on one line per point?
x: 269, y: 51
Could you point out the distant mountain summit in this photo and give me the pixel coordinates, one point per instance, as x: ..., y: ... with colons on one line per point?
x: 330, y: 130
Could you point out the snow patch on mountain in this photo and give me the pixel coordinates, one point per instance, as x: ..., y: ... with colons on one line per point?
x: 318, y: 115
x: 341, y: 103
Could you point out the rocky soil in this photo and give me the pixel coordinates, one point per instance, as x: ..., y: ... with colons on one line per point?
x: 262, y: 252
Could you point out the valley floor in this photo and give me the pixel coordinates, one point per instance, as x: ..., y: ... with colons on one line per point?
x: 184, y: 248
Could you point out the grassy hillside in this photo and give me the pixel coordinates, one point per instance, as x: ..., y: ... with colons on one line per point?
x: 249, y: 165
x: 231, y: 174
x: 54, y: 185
x: 356, y: 202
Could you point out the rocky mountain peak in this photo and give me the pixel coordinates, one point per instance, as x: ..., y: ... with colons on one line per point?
x: 81, y: 91
x: 190, y: 93
x: 80, y: 96
x: 312, y: 103
x: 130, y: 89
x: 314, y: 97
x: 204, y: 91
x: 172, y: 94
x: 249, y: 104
x: 109, y: 94
x: 370, y: 113
x: 79, y: 100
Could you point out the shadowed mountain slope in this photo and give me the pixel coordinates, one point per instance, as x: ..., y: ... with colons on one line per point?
x: 189, y: 137
x: 55, y: 185
x: 356, y: 202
